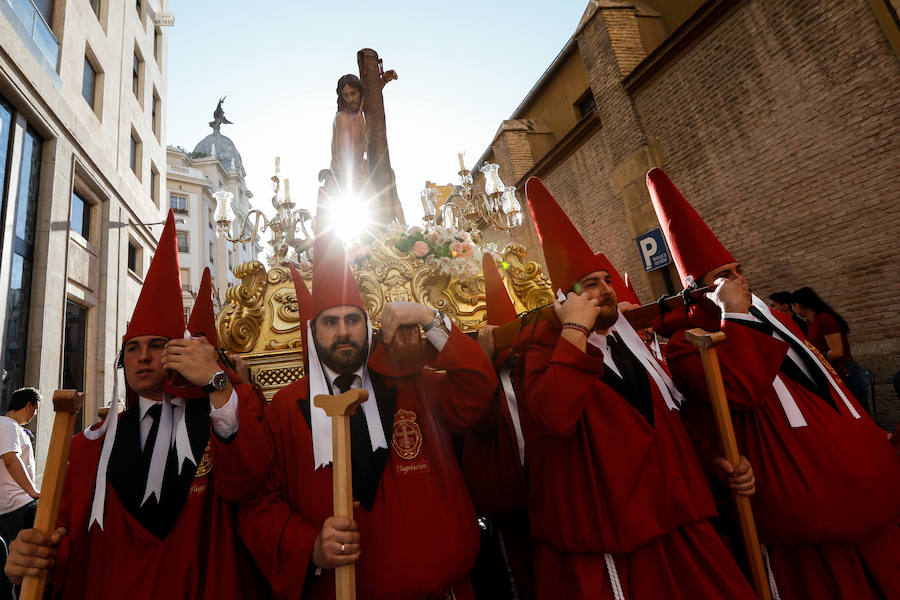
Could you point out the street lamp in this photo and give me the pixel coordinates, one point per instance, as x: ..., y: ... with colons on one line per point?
x: 223, y: 217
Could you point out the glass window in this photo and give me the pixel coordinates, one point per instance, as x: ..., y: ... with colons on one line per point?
x: 80, y: 221
x: 134, y: 156
x: 154, y: 184
x: 134, y: 257
x: 185, y: 278
x: 88, y: 82
x: 74, y: 350
x: 178, y: 204
x: 136, y: 76
x: 586, y: 104
x: 6, y: 127
x: 212, y: 253
x: 183, y: 243
x: 154, y: 114
x: 19, y: 298
x: 157, y: 45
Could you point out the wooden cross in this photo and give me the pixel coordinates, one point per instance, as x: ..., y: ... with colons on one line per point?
x: 340, y: 408
x: 66, y: 404
x: 707, y: 342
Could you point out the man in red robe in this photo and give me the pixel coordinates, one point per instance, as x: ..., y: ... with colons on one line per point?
x: 140, y: 516
x: 829, y: 483
x: 492, y: 458
x: 619, y: 504
x: 413, y: 532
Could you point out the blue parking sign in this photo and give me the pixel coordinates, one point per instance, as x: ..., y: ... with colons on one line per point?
x: 652, y: 247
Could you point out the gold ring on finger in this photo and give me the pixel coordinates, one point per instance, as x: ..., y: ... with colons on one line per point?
x: 342, y: 548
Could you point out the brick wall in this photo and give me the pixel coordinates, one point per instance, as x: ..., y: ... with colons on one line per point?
x: 781, y: 127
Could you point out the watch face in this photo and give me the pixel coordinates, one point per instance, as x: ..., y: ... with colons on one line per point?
x: 220, y: 380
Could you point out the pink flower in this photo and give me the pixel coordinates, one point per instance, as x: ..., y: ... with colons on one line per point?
x: 420, y: 249
x: 432, y: 237
x: 461, y: 249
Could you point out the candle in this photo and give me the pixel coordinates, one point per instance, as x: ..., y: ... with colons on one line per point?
x: 462, y: 165
x: 277, y: 164
x: 287, y: 188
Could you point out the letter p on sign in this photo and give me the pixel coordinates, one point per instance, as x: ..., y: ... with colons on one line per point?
x: 648, y: 249
x: 652, y: 247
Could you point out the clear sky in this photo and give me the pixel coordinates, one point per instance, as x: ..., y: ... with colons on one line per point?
x: 463, y: 67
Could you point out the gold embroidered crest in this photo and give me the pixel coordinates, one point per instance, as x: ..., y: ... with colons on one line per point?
x: 823, y: 360
x: 205, y: 464
x: 407, y: 437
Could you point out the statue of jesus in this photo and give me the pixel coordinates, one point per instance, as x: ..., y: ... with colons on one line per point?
x: 348, y: 140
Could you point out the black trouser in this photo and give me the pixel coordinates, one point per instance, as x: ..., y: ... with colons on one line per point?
x: 15, y: 521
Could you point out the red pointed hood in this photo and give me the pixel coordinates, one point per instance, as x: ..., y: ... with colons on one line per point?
x: 304, y: 307
x: 500, y: 308
x: 333, y: 282
x: 203, y: 316
x: 695, y: 248
x: 568, y: 256
x: 159, y: 309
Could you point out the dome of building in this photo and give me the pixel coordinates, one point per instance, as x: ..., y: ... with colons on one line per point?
x: 225, y: 149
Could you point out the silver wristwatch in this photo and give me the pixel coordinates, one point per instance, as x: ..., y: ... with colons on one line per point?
x: 437, y: 321
x: 217, y: 382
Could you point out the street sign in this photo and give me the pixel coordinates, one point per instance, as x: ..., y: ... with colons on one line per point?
x: 164, y: 19
x: 652, y: 246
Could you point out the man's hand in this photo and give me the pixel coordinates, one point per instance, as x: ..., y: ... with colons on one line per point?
x: 730, y: 296
x: 486, y: 339
x: 398, y: 314
x: 32, y: 553
x: 578, y: 308
x: 337, y: 543
x: 240, y: 367
x: 194, y: 358
x: 741, y: 480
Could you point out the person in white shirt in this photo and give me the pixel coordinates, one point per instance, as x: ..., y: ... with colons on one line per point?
x: 18, y: 492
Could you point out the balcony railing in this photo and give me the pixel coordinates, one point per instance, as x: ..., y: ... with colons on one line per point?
x: 33, y: 22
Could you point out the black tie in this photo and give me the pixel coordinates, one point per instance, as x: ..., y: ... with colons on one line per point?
x: 818, y: 384
x: 367, y: 465
x: 154, y: 412
x: 636, y: 388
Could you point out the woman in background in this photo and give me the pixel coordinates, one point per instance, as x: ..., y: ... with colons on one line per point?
x: 827, y: 331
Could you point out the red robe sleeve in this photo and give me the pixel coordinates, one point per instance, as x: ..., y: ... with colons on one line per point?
x: 749, y: 360
x: 279, y: 539
x: 467, y: 388
x: 243, y: 462
x: 547, y: 370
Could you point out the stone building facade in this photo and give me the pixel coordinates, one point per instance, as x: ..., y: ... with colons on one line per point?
x: 82, y: 166
x: 779, y: 121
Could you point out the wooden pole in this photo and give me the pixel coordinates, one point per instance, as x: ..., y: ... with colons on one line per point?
x: 66, y: 404
x: 339, y: 408
x: 707, y: 342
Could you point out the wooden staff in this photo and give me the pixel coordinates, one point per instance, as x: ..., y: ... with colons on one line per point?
x: 339, y: 408
x: 707, y: 342
x: 66, y: 404
x: 640, y: 317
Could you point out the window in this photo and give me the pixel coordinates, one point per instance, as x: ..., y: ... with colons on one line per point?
x: 157, y: 45
x: 74, y: 350
x: 134, y: 257
x: 134, y: 157
x: 80, y: 221
x: 212, y: 253
x: 586, y: 104
x: 185, y: 273
x: 183, y: 245
x: 19, y: 297
x: 137, y: 75
x: 211, y: 220
x: 154, y: 114
x: 89, y: 82
x: 178, y: 204
x: 154, y: 184
x: 6, y: 131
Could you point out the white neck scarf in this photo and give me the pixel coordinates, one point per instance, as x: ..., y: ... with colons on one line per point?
x: 172, y: 429
x: 788, y: 404
x: 320, y: 423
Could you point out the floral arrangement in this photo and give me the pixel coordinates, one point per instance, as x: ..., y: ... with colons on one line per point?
x: 448, y: 251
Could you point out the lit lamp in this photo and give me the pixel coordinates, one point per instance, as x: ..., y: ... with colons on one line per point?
x: 224, y: 214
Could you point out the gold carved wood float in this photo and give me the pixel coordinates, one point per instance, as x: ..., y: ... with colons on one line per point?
x: 260, y: 320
